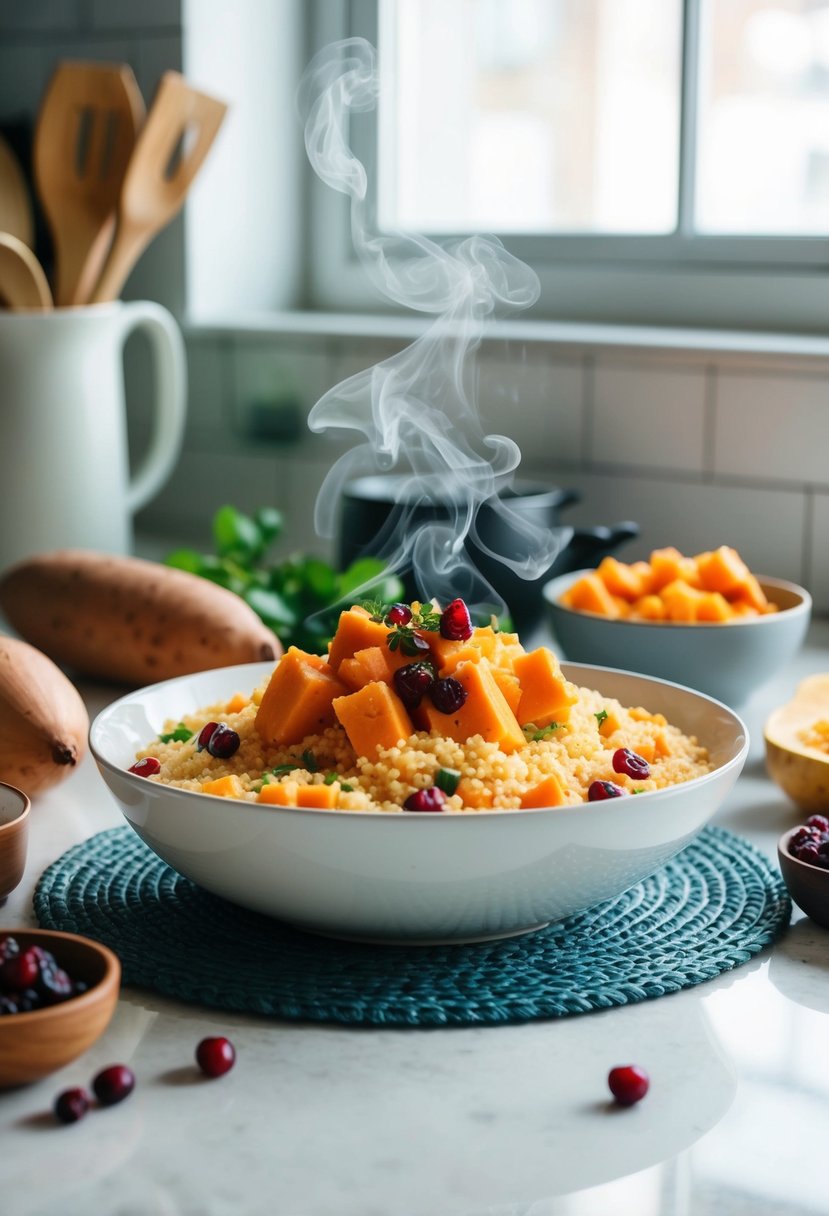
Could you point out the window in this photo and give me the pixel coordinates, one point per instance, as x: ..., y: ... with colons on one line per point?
x: 654, y: 161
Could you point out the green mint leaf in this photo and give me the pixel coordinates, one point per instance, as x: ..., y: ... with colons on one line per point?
x: 330, y: 778
x: 600, y: 716
x: 180, y: 735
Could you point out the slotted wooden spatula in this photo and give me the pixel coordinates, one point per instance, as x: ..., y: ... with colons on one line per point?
x: 180, y: 128
x: 85, y: 135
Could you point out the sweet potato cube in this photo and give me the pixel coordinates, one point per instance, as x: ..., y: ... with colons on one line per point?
x: 722, y: 570
x: 224, y: 787
x: 609, y: 724
x: 298, y: 699
x: 668, y: 565
x: 466, y: 653
x: 474, y: 794
x: 589, y: 594
x: 510, y: 686
x: 368, y: 666
x: 278, y: 793
x: 485, y: 711
x: 680, y: 601
x: 237, y: 703
x: 548, y: 792
x: 545, y: 697
x: 620, y: 579
x: 373, y: 717
x: 323, y: 797
x: 646, y: 748
x: 355, y: 631
x: 752, y: 593
x: 648, y: 608
x: 443, y: 649
x: 713, y: 606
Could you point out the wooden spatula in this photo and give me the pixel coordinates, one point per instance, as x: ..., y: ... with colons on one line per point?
x: 85, y: 135
x: 23, y: 285
x: 180, y: 128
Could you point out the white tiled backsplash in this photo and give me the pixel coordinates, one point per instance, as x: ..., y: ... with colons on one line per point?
x: 699, y: 446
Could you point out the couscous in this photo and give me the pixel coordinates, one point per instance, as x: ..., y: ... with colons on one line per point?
x: 413, y: 709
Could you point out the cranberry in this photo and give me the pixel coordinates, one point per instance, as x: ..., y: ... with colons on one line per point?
x: 54, y: 984
x: 147, y: 767
x: 628, y: 1084
x: 71, y: 1105
x: 19, y: 972
x: 220, y: 740
x: 113, y: 1084
x: 818, y: 821
x: 215, y: 1056
x: 599, y: 790
x: 8, y: 947
x: 448, y: 695
x: 626, y: 761
x: 399, y: 614
x: 431, y: 799
x: 455, y: 622
x: 412, y: 681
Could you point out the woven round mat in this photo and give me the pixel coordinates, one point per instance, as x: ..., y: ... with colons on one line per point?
x: 708, y: 910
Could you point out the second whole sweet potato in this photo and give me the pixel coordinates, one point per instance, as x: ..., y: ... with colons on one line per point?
x: 129, y: 620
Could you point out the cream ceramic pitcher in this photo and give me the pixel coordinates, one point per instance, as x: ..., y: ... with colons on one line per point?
x: 64, y: 464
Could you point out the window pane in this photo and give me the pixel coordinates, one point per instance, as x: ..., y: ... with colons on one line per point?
x: 763, y: 159
x: 529, y: 115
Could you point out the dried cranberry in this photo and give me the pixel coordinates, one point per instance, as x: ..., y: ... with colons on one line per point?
x: 71, y: 1105
x: 147, y: 767
x: 412, y: 681
x: 599, y: 790
x: 626, y: 761
x: 215, y: 1056
x: 455, y: 622
x: 628, y: 1084
x: 54, y: 985
x: 113, y: 1084
x: 220, y: 740
x: 431, y: 799
x: 818, y: 821
x: 19, y: 972
x: 448, y: 695
x: 399, y: 614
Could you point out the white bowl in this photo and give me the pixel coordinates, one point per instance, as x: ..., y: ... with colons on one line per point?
x: 385, y: 876
x: 727, y: 661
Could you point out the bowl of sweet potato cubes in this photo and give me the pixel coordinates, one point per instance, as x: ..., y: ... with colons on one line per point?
x: 705, y: 621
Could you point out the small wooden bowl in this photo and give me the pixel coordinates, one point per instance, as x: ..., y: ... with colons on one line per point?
x: 808, y: 885
x: 14, y: 837
x: 32, y: 1045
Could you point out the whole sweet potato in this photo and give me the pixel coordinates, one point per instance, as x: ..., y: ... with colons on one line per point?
x: 128, y: 620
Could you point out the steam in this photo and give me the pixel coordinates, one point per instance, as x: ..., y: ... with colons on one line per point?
x: 416, y: 411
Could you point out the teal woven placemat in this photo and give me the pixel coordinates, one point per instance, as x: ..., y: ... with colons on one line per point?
x: 708, y: 910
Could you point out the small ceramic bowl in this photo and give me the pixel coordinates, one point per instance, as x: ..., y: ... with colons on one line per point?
x: 726, y: 661
x: 14, y: 838
x: 808, y: 885
x: 32, y: 1045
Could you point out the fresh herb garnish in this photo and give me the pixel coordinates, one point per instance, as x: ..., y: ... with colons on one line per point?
x: 309, y: 762
x: 600, y: 716
x: 409, y: 637
x: 346, y: 788
x: 282, y: 769
x: 180, y: 735
x: 376, y: 609
x: 535, y: 734
x: 330, y: 778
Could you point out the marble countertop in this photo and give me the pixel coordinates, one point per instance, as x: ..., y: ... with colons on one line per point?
x: 494, y: 1121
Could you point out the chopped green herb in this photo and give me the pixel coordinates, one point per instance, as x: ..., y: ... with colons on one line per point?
x: 376, y: 609
x: 282, y: 769
x: 330, y: 778
x: 309, y: 762
x: 346, y: 788
x: 536, y: 734
x: 180, y: 735
x: 600, y: 716
x: 637, y: 791
x: 447, y: 779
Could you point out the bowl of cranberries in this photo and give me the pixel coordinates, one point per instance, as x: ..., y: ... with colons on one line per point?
x: 803, y: 853
x: 58, y: 992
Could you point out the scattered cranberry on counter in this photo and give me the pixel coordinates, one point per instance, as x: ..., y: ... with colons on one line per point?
x: 810, y: 843
x: 71, y: 1105
x: 455, y: 622
x: 597, y: 791
x: 448, y: 695
x: 220, y: 740
x: 626, y: 761
x: 148, y: 767
x: 431, y: 799
x: 113, y: 1084
x: 215, y: 1056
x: 628, y: 1084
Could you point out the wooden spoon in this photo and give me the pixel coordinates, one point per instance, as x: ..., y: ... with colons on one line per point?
x: 180, y: 128
x: 86, y: 131
x: 23, y: 284
x: 15, y: 205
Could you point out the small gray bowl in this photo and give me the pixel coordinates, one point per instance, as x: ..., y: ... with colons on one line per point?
x: 725, y: 661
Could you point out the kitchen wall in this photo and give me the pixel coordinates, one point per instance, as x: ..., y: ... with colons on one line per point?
x: 701, y: 439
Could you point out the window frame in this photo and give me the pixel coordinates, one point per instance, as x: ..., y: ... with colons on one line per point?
x: 683, y: 278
